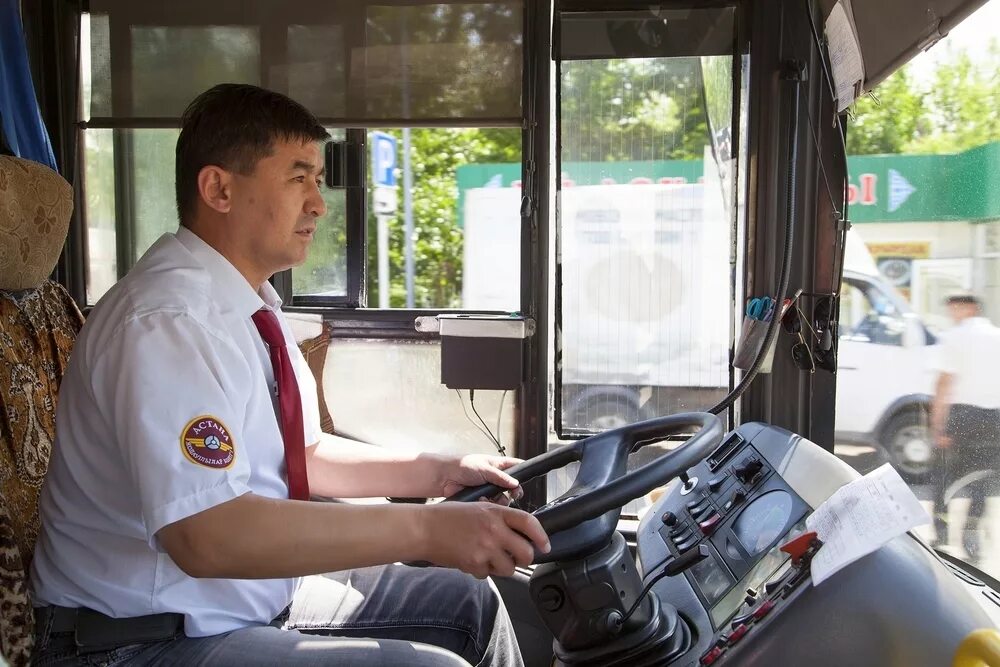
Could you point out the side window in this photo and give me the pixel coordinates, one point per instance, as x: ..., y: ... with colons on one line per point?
x: 868, y: 315
x: 424, y: 101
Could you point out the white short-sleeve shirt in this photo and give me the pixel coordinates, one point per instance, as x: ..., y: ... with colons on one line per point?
x: 971, y: 353
x: 167, y: 409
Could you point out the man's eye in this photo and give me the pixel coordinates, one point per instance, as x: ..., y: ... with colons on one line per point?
x: 299, y: 179
x: 319, y: 183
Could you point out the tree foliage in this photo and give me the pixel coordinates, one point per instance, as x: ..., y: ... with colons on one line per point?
x: 956, y: 108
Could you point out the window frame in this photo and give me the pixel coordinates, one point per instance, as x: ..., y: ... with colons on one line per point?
x: 739, y: 50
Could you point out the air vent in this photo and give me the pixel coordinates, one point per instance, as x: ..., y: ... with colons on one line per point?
x: 732, y: 445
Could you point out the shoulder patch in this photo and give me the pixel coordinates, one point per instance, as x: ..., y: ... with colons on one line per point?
x: 205, y: 441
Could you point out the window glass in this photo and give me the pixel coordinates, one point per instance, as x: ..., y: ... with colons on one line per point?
x: 343, y: 59
x: 154, y: 198
x: 924, y: 154
x: 868, y: 314
x: 464, y: 212
x: 647, y: 220
x: 207, y: 55
x: 99, y: 203
x: 645, y: 217
x: 315, y: 70
x: 324, y: 272
x: 442, y: 61
x: 142, y: 163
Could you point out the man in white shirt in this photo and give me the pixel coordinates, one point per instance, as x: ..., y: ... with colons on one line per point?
x: 965, y: 417
x: 176, y: 526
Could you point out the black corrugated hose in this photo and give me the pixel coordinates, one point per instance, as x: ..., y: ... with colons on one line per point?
x: 794, y: 73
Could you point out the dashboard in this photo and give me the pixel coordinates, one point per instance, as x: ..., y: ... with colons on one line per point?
x: 747, y: 602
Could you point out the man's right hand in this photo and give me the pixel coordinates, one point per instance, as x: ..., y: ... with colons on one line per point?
x: 482, y: 539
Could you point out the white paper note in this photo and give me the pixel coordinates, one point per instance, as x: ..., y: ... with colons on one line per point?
x: 860, y: 517
x: 845, y: 56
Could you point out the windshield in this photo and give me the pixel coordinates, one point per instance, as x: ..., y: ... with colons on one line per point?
x: 924, y: 154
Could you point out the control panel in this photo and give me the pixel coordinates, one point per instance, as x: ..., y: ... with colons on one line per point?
x: 736, y: 505
x: 730, y: 541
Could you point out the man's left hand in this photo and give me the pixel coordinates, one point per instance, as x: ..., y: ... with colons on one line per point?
x: 477, y: 469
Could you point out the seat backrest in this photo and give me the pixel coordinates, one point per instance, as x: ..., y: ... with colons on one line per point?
x: 38, y: 325
x: 314, y: 350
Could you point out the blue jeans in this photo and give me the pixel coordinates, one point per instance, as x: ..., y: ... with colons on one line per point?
x: 378, y: 616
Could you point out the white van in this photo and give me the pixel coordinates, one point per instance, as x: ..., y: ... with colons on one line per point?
x: 886, y: 368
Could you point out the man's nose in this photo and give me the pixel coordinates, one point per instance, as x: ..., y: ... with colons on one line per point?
x: 316, y: 205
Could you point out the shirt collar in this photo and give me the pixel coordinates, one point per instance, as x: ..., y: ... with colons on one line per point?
x: 971, y: 322
x: 230, y: 283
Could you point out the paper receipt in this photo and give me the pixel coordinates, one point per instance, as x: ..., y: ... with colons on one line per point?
x: 860, y: 517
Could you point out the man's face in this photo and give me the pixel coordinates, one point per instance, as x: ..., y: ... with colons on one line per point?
x: 962, y: 311
x: 275, y: 209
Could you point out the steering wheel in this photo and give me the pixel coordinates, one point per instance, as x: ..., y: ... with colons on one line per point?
x: 583, y: 519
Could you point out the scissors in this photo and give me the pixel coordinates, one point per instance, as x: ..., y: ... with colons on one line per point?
x: 760, y: 308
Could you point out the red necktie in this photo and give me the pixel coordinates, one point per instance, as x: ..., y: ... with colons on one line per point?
x: 289, y: 404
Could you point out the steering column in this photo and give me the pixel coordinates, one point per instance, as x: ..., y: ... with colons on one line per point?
x: 587, y: 589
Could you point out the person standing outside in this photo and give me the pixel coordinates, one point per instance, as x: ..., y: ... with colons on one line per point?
x: 965, y: 417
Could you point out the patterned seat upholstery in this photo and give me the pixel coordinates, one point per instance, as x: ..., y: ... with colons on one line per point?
x: 38, y: 325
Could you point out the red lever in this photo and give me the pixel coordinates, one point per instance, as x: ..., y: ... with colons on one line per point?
x: 798, y: 547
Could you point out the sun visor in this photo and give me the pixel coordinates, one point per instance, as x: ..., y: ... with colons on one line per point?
x: 870, y: 40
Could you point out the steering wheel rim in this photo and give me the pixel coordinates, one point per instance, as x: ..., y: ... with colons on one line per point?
x: 603, y: 486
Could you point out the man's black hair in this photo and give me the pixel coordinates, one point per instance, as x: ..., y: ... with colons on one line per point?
x: 234, y: 126
x: 965, y: 299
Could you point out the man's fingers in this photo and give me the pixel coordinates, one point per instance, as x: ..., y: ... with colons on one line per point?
x: 520, y: 550
x: 504, y: 462
x: 528, y: 526
x: 502, y: 565
x: 498, y: 477
x: 501, y: 499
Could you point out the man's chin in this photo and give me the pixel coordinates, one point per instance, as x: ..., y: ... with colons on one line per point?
x: 293, y: 262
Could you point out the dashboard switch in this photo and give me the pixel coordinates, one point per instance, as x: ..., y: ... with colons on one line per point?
x: 798, y: 547
x: 763, y: 610
x: 687, y: 543
x: 710, y: 657
x: 682, y: 536
x: 709, y: 524
x: 669, y: 518
x: 739, y: 495
x: 748, y: 469
x: 703, y: 513
x: 716, y: 483
x: 692, y: 504
x: 738, y: 632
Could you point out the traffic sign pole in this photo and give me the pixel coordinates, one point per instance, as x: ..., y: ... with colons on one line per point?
x: 385, y: 204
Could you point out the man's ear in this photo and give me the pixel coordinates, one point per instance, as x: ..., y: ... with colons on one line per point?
x: 215, y: 188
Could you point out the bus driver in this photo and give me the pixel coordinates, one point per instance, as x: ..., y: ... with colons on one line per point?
x: 176, y: 522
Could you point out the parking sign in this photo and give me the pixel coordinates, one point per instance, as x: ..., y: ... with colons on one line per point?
x: 384, y: 159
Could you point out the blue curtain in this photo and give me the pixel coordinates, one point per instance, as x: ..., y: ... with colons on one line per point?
x: 22, y: 120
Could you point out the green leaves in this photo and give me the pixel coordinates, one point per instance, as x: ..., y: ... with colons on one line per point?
x: 957, y: 108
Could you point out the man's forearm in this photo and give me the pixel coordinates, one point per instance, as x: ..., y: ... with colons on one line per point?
x: 341, y: 468
x: 252, y: 537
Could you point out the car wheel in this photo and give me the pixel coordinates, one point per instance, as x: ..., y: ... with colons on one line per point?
x: 908, y: 444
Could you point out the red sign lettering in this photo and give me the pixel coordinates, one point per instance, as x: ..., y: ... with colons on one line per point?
x: 866, y: 194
